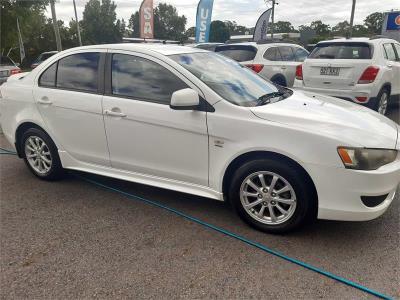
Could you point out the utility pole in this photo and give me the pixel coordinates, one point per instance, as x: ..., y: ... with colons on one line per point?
x: 55, y: 24
x: 77, y: 25
x: 352, y: 18
x: 272, y: 19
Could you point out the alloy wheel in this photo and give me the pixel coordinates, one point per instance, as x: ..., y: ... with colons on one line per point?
x: 38, y: 155
x: 268, y: 197
x: 383, y: 103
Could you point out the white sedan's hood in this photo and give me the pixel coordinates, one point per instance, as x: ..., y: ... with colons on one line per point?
x: 344, y: 120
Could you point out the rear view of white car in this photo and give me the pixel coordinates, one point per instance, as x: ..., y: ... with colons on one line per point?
x: 362, y: 70
x: 276, y: 62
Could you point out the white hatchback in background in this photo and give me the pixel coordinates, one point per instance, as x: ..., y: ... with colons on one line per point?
x: 197, y: 122
x: 276, y: 62
x: 362, y: 70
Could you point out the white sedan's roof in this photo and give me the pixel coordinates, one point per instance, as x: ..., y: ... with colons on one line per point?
x: 159, y: 48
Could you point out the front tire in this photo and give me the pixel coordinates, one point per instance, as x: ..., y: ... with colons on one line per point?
x: 273, y: 196
x: 41, y: 155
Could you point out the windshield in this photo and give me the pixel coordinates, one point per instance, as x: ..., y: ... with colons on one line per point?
x: 233, y: 82
x: 349, y: 50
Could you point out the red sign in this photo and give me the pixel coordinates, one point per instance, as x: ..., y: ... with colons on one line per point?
x: 146, y: 19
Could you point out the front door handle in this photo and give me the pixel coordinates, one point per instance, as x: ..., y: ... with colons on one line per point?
x: 45, y: 101
x: 115, y: 112
x: 283, y: 68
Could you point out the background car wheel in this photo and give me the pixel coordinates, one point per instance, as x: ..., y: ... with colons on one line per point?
x: 272, y: 196
x: 41, y: 155
x: 279, y: 80
x: 381, y: 102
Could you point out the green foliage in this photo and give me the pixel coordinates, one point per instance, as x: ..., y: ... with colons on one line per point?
x: 320, y: 28
x: 168, y: 25
x: 100, y: 24
x: 235, y: 29
x: 341, y: 28
x: 219, y: 32
x: 374, y: 22
x: 283, y: 27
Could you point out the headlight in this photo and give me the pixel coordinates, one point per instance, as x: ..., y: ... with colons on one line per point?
x: 366, y: 159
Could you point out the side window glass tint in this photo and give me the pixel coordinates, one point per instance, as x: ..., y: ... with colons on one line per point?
x: 300, y: 54
x: 143, y: 79
x: 79, y: 72
x: 272, y: 54
x: 287, y: 53
x: 48, y: 77
x: 389, y: 50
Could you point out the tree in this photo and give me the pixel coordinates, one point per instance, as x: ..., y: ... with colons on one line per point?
x: 341, y: 28
x: 283, y: 27
x: 99, y: 23
x: 190, y: 32
x: 235, y: 29
x: 133, y: 25
x: 320, y: 28
x: 168, y: 24
x: 359, y: 31
x: 219, y: 32
x: 374, y: 22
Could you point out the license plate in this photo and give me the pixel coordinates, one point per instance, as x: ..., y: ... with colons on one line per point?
x: 330, y: 71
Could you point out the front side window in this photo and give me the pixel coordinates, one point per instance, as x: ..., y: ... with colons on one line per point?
x: 272, y: 54
x: 397, y: 47
x: 233, y: 82
x: 389, y: 52
x: 48, y: 77
x: 300, y: 54
x: 287, y: 53
x: 341, y: 50
x: 143, y: 79
x: 79, y: 72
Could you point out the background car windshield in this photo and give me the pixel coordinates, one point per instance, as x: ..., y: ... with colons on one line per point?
x: 230, y: 80
x: 238, y: 52
x: 5, y: 61
x: 341, y: 51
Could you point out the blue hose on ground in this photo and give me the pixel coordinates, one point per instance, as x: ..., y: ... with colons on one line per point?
x: 233, y: 235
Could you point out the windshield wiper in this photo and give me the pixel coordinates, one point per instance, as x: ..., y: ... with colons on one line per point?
x: 266, y: 99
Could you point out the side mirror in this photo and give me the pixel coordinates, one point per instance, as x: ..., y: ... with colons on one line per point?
x: 186, y: 99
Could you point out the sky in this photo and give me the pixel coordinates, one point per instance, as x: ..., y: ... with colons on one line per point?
x: 246, y: 12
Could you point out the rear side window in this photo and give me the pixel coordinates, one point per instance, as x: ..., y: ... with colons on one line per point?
x: 300, y: 54
x: 287, y: 53
x: 143, y: 79
x: 272, y: 54
x: 345, y: 50
x: 397, y: 47
x: 238, y: 52
x: 48, y: 77
x: 79, y: 72
x: 389, y: 52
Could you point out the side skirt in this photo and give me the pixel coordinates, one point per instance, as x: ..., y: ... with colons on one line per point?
x: 71, y: 163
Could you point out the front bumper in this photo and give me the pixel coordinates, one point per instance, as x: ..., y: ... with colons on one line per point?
x: 340, y: 190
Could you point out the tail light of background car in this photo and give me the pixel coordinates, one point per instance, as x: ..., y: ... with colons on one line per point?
x: 15, y: 71
x: 362, y: 99
x: 299, y: 72
x: 255, y: 67
x: 369, y: 75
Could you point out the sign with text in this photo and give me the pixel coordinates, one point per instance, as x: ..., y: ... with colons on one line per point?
x: 203, y: 20
x: 260, y: 31
x: 146, y: 17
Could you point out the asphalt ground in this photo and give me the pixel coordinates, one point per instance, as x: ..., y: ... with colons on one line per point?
x: 72, y: 240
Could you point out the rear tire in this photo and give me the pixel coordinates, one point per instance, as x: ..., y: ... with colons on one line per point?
x: 41, y: 155
x: 276, y: 211
x: 381, y: 102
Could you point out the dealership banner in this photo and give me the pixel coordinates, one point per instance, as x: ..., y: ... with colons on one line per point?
x: 203, y: 20
x: 260, y: 31
x: 393, y: 21
x: 146, y: 18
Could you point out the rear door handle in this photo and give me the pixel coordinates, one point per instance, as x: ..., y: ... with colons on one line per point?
x: 283, y: 68
x: 114, y: 113
x: 45, y: 101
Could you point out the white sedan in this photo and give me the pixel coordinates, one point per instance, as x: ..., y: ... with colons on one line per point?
x: 194, y: 121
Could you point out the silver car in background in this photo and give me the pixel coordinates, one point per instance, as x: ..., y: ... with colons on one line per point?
x: 276, y: 62
x: 7, y: 68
